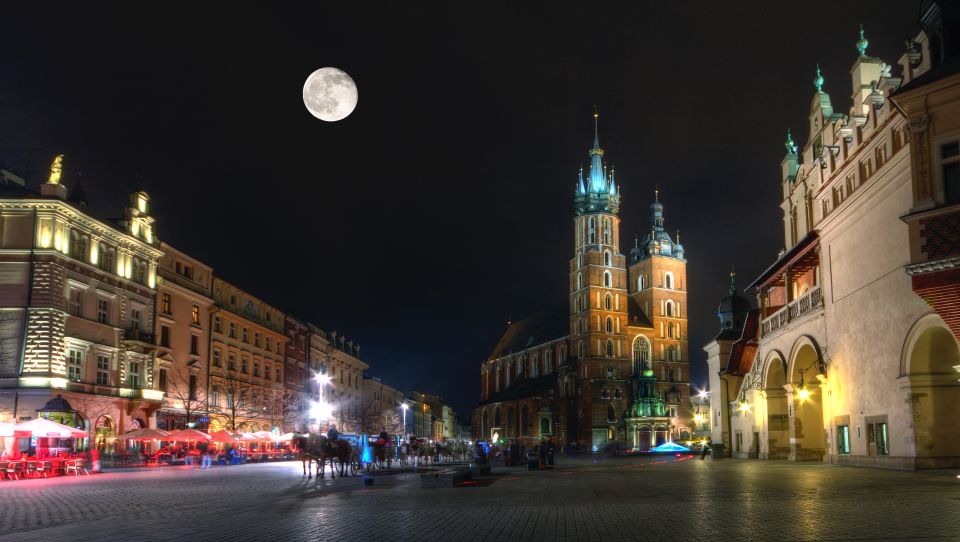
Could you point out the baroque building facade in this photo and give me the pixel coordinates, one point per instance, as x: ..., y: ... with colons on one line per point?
x: 851, y: 358
x: 78, y: 297
x: 610, y: 366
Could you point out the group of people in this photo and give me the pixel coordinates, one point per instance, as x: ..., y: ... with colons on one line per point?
x: 515, y: 453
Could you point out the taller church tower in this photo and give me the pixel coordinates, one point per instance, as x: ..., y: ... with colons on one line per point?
x: 598, y: 307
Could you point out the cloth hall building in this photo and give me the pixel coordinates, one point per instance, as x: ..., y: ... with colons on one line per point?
x: 610, y: 366
x: 852, y: 356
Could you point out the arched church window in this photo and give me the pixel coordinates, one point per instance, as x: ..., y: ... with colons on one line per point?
x: 579, y: 281
x: 579, y: 327
x: 668, y: 308
x: 668, y: 280
x: 670, y: 330
x: 576, y: 304
x: 606, y: 258
x: 580, y: 350
x: 609, y: 324
x: 606, y: 231
x: 607, y: 279
x: 610, y: 348
x: 641, y: 354
x: 608, y: 302
x: 579, y: 260
x: 592, y: 231
x: 611, y: 415
x: 640, y: 282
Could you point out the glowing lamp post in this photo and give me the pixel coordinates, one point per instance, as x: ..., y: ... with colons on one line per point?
x: 404, y: 408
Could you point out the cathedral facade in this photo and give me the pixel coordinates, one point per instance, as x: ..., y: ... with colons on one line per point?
x: 611, y: 365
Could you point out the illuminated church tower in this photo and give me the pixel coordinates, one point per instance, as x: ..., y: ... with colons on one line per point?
x: 598, y: 307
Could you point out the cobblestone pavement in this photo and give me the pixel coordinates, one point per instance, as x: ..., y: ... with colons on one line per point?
x: 623, y: 499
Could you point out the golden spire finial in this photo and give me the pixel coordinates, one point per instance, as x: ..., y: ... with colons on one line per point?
x: 55, y: 168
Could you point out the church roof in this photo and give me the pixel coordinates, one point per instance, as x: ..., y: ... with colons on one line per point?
x: 527, y: 388
x: 636, y: 315
x: 542, y: 327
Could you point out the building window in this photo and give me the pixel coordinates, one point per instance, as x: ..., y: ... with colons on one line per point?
x: 640, y: 282
x: 877, y: 443
x: 133, y: 376
x: 215, y: 395
x: 233, y: 330
x: 195, y: 315
x: 244, y: 365
x: 256, y: 339
x: 668, y: 309
x: 192, y: 388
x: 103, y: 311
x: 231, y: 361
x: 302, y: 342
x: 74, y: 365
x: 950, y: 169
x: 843, y: 439
x: 165, y: 303
x: 216, y: 324
x: 162, y: 379
x: 278, y: 374
x: 668, y: 281
x: 194, y: 345
x: 579, y: 281
x: 606, y: 258
x: 609, y: 324
x: 607, y: 279
x: 76, y: 302
x: 103, y: 370
x: 244, y: 335
x: 165, y: 336
x: 608, y: 302
x: 266, y: 372
x: 610, y: 349
x: 216, y: 358
x: 135, y: 319
x: 256, y: 369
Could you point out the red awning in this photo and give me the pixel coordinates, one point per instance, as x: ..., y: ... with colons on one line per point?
x: 801, y: 258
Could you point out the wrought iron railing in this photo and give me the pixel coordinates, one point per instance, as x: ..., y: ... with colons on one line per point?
x: 808, y: 302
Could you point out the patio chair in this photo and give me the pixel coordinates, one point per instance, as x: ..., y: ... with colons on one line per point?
x: 42, y: 468
x: 76, y: 467
x: 13, y: 470
x: 30, y: 468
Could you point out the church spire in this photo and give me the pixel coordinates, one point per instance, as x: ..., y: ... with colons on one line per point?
x: 598, y: 174
x: 733, y: 281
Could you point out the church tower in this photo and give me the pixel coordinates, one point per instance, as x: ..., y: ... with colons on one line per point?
x: 598, y: 307
x: 658, y: 286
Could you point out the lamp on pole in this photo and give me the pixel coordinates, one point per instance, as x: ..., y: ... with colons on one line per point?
x: 404, y: 406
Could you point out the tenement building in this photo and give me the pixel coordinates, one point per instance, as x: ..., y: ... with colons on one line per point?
x: 852, y: 357
x: 247, y: 344
x: 183, y: 339
x: 611, y: 366
x: 78, y: 294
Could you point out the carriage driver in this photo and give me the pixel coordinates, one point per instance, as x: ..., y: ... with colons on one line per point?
x: 332, y: 433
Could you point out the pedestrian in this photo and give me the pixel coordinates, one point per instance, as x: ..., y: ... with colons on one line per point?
x: 543, y: 453
x: 205, y: 461
x: 706, y: 448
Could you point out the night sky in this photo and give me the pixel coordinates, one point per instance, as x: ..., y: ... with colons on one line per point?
x: 443, y: 205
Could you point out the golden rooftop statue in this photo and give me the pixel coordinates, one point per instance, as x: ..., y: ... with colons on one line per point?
x: 55, y: 169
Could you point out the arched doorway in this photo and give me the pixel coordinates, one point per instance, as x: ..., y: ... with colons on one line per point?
x: 934, y: 395
x: 807, y: 439
x: 644, y: 437
x: 778, y: 416
x: 105, y: 435
x: 660, y: 435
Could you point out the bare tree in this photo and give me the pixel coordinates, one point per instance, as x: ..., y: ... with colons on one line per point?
x: 187, y: 395
x: 239, y: 408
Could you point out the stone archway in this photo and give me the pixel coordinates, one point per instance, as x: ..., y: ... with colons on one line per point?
x: 778, y: 413
x: 805, y: 403
x: 934, y: 393
x: 644, y: 438
x: 105, y: 434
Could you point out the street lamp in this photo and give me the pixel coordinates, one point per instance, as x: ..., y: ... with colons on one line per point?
x: 404, y: 408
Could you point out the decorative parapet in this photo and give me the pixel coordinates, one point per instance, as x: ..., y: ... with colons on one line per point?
x: 807, y: 303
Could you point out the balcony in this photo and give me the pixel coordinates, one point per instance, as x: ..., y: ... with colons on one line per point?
x: 139, y: 340
x: 807, y: 303
x: 110, y: 391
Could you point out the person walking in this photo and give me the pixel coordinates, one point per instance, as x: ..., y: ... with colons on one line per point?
x: 706, y: 448
x: 205, y: 461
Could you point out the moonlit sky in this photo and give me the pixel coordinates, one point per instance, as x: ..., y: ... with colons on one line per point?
x: 443, y: 205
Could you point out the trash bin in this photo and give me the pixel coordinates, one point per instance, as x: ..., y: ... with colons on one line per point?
x: 716, y: 450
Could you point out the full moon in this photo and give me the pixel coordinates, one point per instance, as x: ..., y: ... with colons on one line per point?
x: 330, y: 94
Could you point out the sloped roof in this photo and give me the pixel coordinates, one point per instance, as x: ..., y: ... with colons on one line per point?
x: 744, y: 350
x: 636, y: 315
x: 527, y: 388
x: 542, y: 327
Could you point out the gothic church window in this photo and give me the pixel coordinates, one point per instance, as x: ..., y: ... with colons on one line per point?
x: 606, y: 258
x: 607, y: 279
x: 608, y: 303
x: 640, y: 282
x: 668, y: 280
x: 610, y: 348
x: 609, y: 324
x: 606, y: 231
